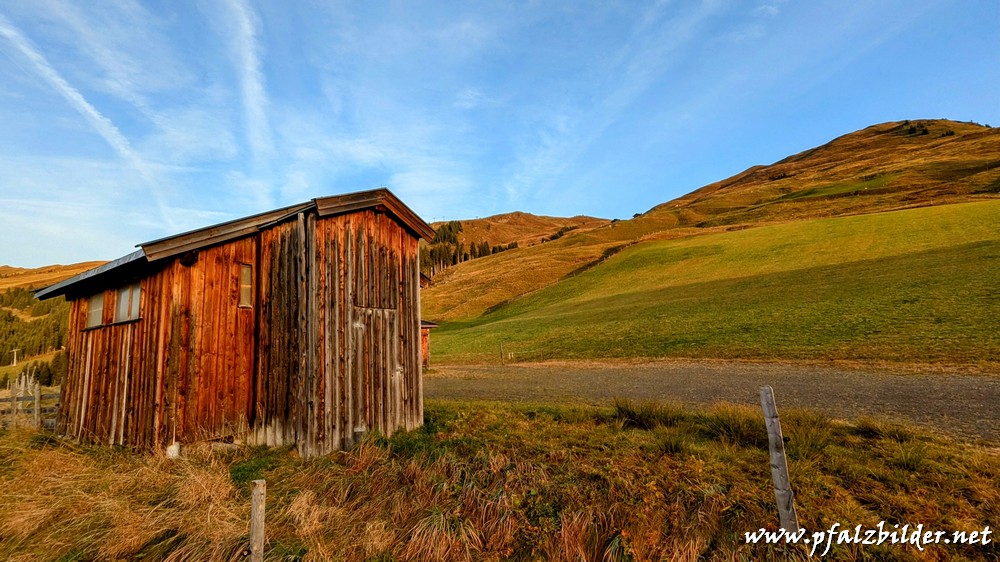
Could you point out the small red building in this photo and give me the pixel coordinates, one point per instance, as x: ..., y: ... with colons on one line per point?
x: 425, y: 340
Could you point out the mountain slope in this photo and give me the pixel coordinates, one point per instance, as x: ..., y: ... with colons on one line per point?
x: 884, y: 167
x: 524, y: 228
x: 916, y: 285
x: 880, y: 168
x: 12, y: 277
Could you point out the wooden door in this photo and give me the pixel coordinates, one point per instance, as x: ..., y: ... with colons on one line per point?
x: 376, y: 370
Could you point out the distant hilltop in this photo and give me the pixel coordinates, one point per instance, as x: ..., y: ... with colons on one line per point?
x: 11, y: 277
x: 884, y: 167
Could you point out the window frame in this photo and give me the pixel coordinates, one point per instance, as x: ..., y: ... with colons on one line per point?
x: 91, y: 309
x: 131, y: 296
x: 241, y: 302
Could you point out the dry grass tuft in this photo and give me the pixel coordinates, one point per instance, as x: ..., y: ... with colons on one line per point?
x: 481, y: 483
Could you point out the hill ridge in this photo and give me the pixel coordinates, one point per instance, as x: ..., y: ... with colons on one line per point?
x: 884, y: 167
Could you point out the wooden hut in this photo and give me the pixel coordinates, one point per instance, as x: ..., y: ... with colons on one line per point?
x: 299, y: 325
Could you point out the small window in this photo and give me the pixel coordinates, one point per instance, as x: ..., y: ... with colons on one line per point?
x: 95, y: 310
x: 246, y: 285
x: 127, y: 305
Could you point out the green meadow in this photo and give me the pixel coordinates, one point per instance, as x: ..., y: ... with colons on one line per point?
x: 917, y: 285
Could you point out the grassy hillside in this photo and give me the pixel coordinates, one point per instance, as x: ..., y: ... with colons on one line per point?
x: 497, y: 482
x: 14, y: 277
x: 914, y: 286
x: 524, y: 228
x: 471, y: 288
x: 884, y: 167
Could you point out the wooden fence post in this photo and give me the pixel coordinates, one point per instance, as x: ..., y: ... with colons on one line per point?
x: 501, y: 354
x: 257, y: 521
x: 779, y: 465
x: 16, y: 404
x: 38, y: 405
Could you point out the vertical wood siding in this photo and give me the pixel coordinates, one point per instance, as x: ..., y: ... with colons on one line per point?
x: 339, y: 353
x: 182, y: 371
x: 329, y: 351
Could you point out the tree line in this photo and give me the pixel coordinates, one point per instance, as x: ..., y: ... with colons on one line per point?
x: 44, y: 333
x: 446, y: 250
x: 48, y: 373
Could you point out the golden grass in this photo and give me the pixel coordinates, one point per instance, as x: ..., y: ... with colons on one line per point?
x: 524, y: 228
x: 470, y: 288
x: 498, y: 482
x: 36, y: 278
x: 880, y: 168
x: 112, y: 502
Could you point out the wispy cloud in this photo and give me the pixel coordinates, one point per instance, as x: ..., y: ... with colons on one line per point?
x: 768, y: 9
x: 123, y: 74
x: 246, y: 50
x: 643, y: 61
x: 51, y: 219
x: 471, y: 98
x: 131, y: 59
x: 100, y: 123
x: 412, y: 158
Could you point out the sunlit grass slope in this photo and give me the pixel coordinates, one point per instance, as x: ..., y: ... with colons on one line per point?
x: 885, y: 167
x: 11, y: 277
x: 915, y: 285
x: 475, y: 286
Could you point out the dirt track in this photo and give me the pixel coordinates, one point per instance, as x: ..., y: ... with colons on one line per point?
x: 963, y: 405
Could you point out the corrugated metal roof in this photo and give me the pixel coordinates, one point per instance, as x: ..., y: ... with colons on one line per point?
x: 155, y: 250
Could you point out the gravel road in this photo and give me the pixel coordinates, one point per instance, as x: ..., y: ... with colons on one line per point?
x: 963, y: 405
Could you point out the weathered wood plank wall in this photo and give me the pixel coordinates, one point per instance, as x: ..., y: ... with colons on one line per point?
x: 329, y: 351
x: 339, y: 352
x: 182, y: 371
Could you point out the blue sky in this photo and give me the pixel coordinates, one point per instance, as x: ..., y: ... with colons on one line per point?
x: 126, y: 121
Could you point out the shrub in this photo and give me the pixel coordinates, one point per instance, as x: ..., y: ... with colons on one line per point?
x: 672, y: 441
x: 808, y: 433
x: 735, y: 424
x: 872, y: 428
x: 646, y: 415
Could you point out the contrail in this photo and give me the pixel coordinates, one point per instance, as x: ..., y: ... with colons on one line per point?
x: 101, y: 124
x: 247, y: 51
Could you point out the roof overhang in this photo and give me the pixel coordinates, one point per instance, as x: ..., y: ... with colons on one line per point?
x: 381, y: 200
x: 93, y: 279
x: 216, y: 234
